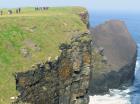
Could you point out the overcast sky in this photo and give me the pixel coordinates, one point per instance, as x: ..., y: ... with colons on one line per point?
x: 111, y: 5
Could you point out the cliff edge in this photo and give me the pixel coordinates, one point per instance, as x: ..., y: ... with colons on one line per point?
x: 62, y: 81
x: 33, y: 36
x: 90, y: 63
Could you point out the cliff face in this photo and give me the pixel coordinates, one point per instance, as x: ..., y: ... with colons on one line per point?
x: 62, y: 81
x: 88, y: 64
x: 120, y: 52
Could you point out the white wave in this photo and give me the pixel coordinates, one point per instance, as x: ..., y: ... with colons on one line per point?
x: 137, y: 64
x: 138, y: 45
x: 137, y: 68
x: 120, y: 96
x: 114, y: 97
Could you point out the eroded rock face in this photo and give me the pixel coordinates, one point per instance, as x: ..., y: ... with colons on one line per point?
x: 107, y: 60
x: 85, y: 17
x: 62, y: 81
x: 120, y: 53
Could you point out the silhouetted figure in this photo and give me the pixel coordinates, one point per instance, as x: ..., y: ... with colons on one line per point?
x: 10, y: 12
x: 46, y: 8
x: 41, y: 8
x: 1, y: 12
x: 19, y: 10
x: 36, y: 8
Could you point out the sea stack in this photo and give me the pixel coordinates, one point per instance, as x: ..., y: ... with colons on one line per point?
x: 119, y: 50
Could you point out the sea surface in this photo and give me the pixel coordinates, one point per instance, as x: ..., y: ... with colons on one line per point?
x: 132, y: 94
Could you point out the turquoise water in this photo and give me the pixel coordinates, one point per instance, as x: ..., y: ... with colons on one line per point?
x: 132, y: 94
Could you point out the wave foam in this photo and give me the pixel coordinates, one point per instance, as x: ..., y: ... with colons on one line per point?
x: 114, y: 97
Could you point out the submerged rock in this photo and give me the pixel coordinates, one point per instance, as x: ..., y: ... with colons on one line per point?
x: 120, y: 53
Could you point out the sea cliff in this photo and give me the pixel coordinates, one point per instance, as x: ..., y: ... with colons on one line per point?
x: 92, y: 63
x: 62, y: 81
x: 120, y: 52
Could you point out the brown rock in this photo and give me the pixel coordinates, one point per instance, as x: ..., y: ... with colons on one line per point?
x: 120, y: 51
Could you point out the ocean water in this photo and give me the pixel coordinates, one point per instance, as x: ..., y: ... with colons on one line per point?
x: 132, y: 94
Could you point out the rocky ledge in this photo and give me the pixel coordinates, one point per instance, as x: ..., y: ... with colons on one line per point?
x: 120, y: 52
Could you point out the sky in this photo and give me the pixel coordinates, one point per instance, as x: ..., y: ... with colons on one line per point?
x: 99, y: 5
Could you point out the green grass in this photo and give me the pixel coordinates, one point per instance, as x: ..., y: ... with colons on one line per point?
x: 44, y: 29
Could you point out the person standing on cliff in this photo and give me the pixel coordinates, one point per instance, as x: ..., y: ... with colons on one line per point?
x: 19, y: 10
x: 1, y: 12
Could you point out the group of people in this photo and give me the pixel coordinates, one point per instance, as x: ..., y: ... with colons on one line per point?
x: 1, y: 12
x: 18, y: 10
x: 41, y: 8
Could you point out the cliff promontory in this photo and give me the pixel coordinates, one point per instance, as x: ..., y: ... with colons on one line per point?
x: 89, y: 63
x: 31, y: 37
x: 119, y: 50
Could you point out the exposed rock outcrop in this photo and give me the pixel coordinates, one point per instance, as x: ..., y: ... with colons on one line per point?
x: 62, y: 81
x: 119, y: 50
x: 85, y: 17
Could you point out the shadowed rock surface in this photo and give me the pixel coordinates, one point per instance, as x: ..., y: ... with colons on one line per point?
x: 119, y: 50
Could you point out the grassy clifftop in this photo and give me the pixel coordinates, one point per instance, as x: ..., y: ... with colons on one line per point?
x: 30, y: 37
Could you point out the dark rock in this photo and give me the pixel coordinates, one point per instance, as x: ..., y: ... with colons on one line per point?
x: 120, y: 51
x: 65, y: 81
x: 85, y: 17
x: 1, y: 12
